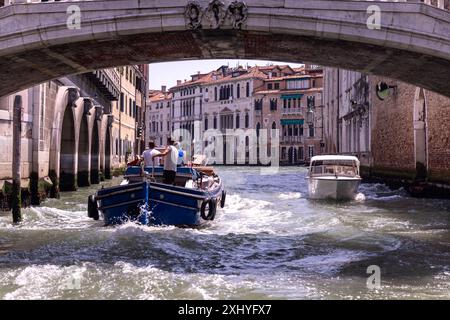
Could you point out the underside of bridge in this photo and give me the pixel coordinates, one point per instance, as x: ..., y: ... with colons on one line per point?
x: 41, y: 65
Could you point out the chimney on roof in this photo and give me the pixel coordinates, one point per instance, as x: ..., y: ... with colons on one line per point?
x: 178, y: 82
x: 163, y: 88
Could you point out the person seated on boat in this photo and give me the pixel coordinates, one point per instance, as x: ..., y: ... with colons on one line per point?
x: 181, y: 154
x: 170, y: 162
x: 149, y: 154
x: 136, y: 162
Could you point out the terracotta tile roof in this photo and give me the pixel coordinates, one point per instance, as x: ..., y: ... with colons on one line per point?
x: 160, y: 96
x: 203, y: 79
x: 253, y: 72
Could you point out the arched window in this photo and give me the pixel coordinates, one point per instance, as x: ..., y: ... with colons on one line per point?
x: 248, y: 89
x: 206, y: 123
x: 238, y: 120
x: 238, y: 91
x: 274, y: 125
x: 247, y: 121
x: 258, y: 127
x: 215, y: 122
x: 215, y: 93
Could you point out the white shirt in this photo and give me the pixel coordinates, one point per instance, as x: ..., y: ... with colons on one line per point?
x: 170, y: 160
x: 148, y: 154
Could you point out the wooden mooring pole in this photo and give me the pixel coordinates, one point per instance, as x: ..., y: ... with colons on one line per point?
x: 17, y: 145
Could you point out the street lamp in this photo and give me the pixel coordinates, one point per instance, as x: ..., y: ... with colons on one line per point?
x: 383, y: 90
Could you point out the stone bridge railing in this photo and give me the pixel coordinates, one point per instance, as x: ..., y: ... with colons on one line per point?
x: 442, y: 4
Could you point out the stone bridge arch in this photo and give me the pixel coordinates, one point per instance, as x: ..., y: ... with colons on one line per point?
x: 63, y: 134
x: 412, y: 44
x: 78, y: 133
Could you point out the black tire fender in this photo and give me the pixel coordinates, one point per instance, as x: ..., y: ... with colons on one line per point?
x: 212, y: 208
x: 222, y: 200
x: 93, y: 208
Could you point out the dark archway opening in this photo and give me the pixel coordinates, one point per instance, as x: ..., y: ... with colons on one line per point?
x: 67, y: 179
x: 83, y: 155
x: 95, y: 161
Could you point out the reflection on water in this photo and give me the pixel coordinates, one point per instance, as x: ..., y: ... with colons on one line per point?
x: 270, y: 242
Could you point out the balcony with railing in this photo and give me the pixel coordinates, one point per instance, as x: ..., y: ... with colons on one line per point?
x: 292, y: 139
x: 107, y: 81
x: 292, y: 111
x: 196, y: 117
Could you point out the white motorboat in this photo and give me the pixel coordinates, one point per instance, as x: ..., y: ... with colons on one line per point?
x: 333, y: 177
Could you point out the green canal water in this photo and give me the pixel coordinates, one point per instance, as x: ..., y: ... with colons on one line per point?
x: 269, y: 242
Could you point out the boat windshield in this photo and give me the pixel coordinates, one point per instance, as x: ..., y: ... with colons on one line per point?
x: 334, y: 167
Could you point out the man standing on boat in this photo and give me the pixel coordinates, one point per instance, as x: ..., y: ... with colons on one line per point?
x: 170, y: 162
x: 149, y: 154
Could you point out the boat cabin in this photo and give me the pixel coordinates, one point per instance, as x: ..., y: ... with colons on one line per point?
x: 334, y: 165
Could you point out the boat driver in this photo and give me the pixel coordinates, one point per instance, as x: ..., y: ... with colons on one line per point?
x: 170, y: 162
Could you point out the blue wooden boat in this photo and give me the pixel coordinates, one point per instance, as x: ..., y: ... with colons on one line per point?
x: 143, y: 198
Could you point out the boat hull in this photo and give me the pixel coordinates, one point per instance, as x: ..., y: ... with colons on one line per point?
x: 157, y: 204
x: 177, y: 206
x: 333, y: 188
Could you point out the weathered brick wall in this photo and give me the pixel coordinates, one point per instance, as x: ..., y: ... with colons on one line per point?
x: 392, y: 127
x: 438, y: 136
x: 393, y: 149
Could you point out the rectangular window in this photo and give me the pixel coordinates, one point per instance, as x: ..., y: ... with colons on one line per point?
x: 311, y: 151
x: 121, y: 102
x: 277, y: 86
x: 248, y: 89
x: 298, y: 84
x: 311, y: 130
x: 273, y: 104
x: 269, y: 86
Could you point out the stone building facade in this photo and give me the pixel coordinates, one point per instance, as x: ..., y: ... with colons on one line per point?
x: 67, y: 134
x: 229, y: 96
x: 291, y: 101
x: 230, y: 107
x: 158, y: 117
x: 128, y: 112
x: 346, y: 114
